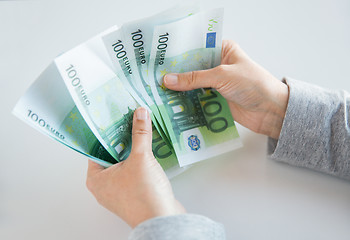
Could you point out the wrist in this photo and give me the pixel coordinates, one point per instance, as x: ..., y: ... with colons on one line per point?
x: 276, y: 110
x: 159, y: 209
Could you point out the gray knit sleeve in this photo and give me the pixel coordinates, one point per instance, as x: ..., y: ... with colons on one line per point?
x: 179, y: 227
x: 316, y: 130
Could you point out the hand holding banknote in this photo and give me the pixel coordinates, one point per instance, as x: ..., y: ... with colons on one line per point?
x: 136, y: 189
x: 257, y: 99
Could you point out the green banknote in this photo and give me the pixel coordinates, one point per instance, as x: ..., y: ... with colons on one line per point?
x: 137, y: 41
x: 199, y: 122
x: 48, y: 107
x: 119, y: 55
x: 86, y: 98
x: 106, y: 106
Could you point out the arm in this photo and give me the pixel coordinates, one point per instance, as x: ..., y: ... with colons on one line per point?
x: 316, y: 130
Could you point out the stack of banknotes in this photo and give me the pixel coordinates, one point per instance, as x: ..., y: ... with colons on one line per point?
x: 86, y: 97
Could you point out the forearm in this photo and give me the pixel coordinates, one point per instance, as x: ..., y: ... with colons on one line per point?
x: 316, y: 130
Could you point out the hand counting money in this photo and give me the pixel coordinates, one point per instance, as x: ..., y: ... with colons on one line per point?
x: 99, y: 84
x: 199, y: 122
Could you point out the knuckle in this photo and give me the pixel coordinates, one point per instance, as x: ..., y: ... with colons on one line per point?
x: 192, y: 79
x: 140, y: 131
x: 221, y: 68
x: 233, y: 44
x: 221, y: 81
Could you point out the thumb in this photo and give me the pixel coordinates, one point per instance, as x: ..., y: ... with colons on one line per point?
x: 192, y: 80
x: 141, y: 132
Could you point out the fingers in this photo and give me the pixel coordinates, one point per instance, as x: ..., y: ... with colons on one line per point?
x: 141, y: 132
x: 193, y: 80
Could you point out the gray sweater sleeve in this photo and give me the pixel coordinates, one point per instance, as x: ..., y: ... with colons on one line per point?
x: 316, y: 130
x: 179, y: 227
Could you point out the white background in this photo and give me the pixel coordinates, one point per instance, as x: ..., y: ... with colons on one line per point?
x: 42, y: 183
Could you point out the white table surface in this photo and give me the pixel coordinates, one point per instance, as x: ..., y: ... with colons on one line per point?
x: 42, y: 183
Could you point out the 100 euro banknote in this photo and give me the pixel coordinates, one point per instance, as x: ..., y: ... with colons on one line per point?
x: 199, y: 122
x: 119, y: 56
x: 86, y: 98
x: 106, y: 106
x: 48, y: 107
x: 130, y: 47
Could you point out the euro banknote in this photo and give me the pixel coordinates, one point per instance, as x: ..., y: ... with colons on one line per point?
x: 104, y: 103
x: 129, y: 48
x: 48, y: 107
x: 86, y: 98
x: 199, y: 122
x: 118, y: 52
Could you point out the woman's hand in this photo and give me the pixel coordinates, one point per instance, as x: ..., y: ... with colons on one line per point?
x: 136, y: 189
x: 257, y: 99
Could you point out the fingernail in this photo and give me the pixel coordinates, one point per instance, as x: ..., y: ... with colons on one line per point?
x: 141, y: 114
x: 171, y: 79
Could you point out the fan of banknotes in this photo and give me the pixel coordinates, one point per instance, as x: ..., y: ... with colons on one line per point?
x: 86, y: 97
